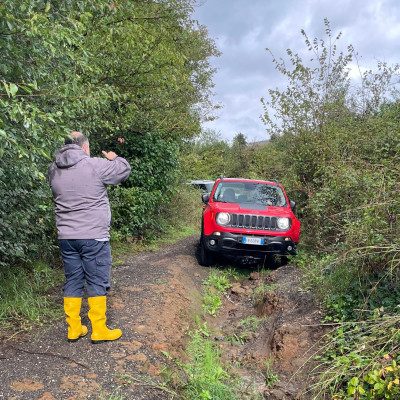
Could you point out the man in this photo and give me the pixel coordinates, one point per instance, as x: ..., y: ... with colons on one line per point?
x: 83, y: 216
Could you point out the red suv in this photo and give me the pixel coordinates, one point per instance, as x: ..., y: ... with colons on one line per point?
x: 248, y: 219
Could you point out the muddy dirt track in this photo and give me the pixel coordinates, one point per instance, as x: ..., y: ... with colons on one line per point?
x: 154, y: 298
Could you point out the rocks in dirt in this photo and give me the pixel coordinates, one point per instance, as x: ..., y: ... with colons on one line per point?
x: 282, y: 392
x: 238, y: 289
x: 284, y: 339
x: 254, y: 276
x: 275, y: 394
x: 267, y: 303
x: 270, y: 277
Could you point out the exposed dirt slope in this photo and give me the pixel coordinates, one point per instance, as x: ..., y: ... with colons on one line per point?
x: 274, y: 356
x: 153, y: 300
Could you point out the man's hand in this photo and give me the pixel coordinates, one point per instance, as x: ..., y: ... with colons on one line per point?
x: 110, y: 155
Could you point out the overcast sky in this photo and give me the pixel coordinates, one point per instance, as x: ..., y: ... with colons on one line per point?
x: 243, y: 29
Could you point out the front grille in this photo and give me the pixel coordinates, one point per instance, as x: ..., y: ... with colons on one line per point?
x: 248, y: 221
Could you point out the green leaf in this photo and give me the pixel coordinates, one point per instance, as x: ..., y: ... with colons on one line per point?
x: 13, y: 89
x: 7, y: 89
x: 166, y: 354
x: 47, y: 9
x: 4, y: 134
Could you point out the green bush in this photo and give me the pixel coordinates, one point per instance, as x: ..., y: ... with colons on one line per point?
x: 110, y: 72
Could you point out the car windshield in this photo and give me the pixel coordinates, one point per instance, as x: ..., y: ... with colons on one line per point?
x: 249, y: 193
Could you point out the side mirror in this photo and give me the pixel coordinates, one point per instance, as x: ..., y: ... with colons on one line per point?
x: 292, y: 205
x: 205, y: 197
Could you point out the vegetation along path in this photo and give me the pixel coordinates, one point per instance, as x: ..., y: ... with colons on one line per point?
x: 155, y: 297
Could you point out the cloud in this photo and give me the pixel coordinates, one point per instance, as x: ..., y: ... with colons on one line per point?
x: 244, y: 29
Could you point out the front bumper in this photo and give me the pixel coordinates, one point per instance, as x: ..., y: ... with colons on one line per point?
x: 231, y: 245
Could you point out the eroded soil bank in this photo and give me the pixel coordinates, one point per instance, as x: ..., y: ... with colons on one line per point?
x: 275, y: 355
x: 154, y: 299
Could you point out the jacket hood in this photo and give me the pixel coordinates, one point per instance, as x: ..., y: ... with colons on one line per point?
x: 70, y: 155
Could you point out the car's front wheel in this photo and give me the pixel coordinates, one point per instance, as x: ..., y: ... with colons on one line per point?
x: 273, y: 261
x: 206, y: 258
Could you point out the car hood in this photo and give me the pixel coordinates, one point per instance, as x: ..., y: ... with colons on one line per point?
x: 253, y: 209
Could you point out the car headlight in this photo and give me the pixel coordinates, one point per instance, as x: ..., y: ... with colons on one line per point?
x: 223, y: 218
x: 283, y: 223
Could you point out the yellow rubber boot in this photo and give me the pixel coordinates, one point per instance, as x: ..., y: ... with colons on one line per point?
x: 97, y: 316
x: 72, y: 307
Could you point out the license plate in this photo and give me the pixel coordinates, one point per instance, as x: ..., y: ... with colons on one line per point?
x: 252, y: 240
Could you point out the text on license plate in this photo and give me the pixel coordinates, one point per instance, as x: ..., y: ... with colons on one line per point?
x: 252, y: 240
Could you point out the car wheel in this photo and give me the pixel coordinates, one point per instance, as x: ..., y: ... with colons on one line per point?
x: 273, y: 261
x: 206, y: 258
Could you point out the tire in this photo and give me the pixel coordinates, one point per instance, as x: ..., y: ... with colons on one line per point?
x: 206, y: 258
x: 273, y: 261
x: 284, y: 261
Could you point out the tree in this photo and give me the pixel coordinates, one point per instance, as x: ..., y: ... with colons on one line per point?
x: 238, y: 160
x: 205, y: 156
x: 134, y: 69
x: 339, y: 143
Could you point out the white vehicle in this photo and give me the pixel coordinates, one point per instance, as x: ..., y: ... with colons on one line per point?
x: 203, y: 185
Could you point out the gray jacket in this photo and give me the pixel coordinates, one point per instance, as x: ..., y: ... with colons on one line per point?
x: 79, y: 186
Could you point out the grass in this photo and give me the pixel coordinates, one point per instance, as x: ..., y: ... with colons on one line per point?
x: 362, y: 358
x: 205, y: 375
x: 122, y: 248
x: 219, y: 280
x: 269, y: 375
x: 251, y: 323
x: 245, y: 330
x: 358, y: 359
x: 263, y: 288
x: 216, y: 286
x: 212, y: 302
x: 113, y: 396
x: 24, y: 301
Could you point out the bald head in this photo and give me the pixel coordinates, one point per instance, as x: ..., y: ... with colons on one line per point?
x: 81, y: 140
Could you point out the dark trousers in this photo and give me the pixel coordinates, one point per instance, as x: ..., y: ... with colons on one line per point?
x: 86, y: 260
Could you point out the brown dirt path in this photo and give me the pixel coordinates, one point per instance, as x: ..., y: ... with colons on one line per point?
x: 154, y: 299
x: 151, y: 300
